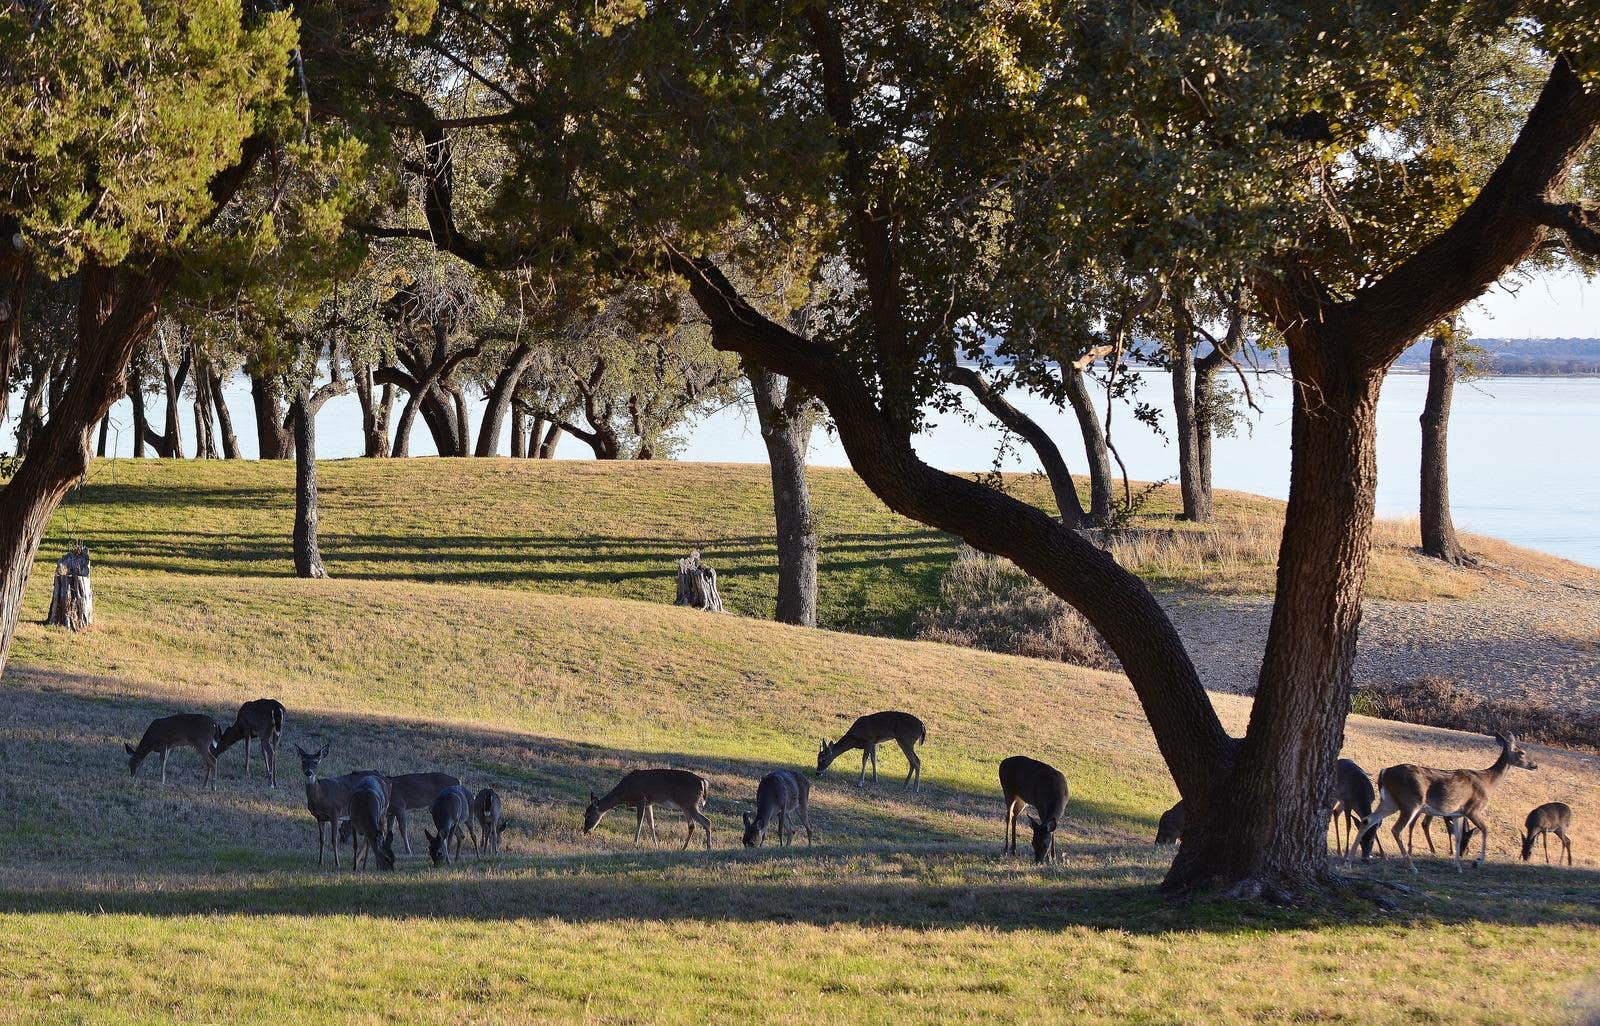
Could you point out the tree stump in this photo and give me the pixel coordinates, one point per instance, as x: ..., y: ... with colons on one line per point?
x: 697, y: 585
x: 72, y: 599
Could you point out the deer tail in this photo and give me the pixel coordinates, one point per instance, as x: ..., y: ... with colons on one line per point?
x: 277, y: 719
x: 922, y: 739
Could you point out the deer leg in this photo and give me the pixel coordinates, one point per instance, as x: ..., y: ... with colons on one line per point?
x: 914, y: 764
x: 1544, y: 835
x: 1483, y: 837
x: 694, y: 816
x: 862, y: 780
x: 638, y: 830
x: 163, y: 767
x: 1406, y: 819
x: 247, y: 755
x: 1010, y: 832
x: 650, y: 813
x: 874, y: 751
x: 1566, y: 845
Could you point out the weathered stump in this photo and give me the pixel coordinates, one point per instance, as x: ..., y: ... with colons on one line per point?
x: 697, y: 585
x: 72, y: 599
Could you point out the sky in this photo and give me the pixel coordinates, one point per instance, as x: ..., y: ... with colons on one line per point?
x: 1549, y: 306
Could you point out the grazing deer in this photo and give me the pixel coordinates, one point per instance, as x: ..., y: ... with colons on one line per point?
x: 1170, y: 829
x: 196, y: 730
x: 328, y: 801
x: 1550, y: 818
x: 409, y: 792
x: 1026, y: 782
x: 1456, y: 796
x: 452, y: 816
x: 642, y: 789
x: 867, y: 733
x: 780, y: 795
x: 1352, y: 803
x: 368, y: 813
x: 486, y: 810
x: 261, y: 719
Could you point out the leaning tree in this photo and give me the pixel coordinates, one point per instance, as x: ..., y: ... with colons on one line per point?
x: 1250, y: 139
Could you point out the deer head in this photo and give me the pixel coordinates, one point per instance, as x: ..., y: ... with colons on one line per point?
x: 385, y: 850
x: 1042, y: 835
x: 591, y: 815
x: 437, y: 851
x: 134, y: 759
x: 309, y: 761
x: 1515, y: 756
x: 825, y: 756
x: 755, y: 831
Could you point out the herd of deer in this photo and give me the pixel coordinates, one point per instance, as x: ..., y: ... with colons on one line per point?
x: 363, y: 807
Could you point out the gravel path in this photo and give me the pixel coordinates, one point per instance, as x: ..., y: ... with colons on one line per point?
x: 1526, y: 637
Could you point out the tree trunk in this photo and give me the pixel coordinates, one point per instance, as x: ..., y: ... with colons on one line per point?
x: 141, y: 422
x: 72, y: 597
x: 32, y: 417
x: 1050, y: 458
x: 1196, y: 501
x: 463, y: 427
x: 519, y: 432
x: 439, y: 414
x: 500, y: 400
x: 105, y: 436
x: 274, y: 440
x: 697, y: 585
x: 1094, y: 443
x: 205, y: 443
x: 552, y: 437
x: 169, y: 444
x: 116, y: 311
x: 1438, y: 529
x: 1205, y: 398
x: 786, y: 430
x: 307, y: 556
x: 1263, y: 832
x: 230, y: 441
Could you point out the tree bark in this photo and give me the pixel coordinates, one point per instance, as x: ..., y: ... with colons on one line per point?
x: 1438, y: 528
x: 169, y: 444
x: 275, y: 441
x: 205, y: 442
x: 1094, y: 442
x: 519, y: 432
x: 1205, y: 397
x: 72, y: 595
x: 230, y: 440
x: 377, y: 404
x: 307, y: 553
x: 32, y: 417
x: 1050, y: 458
x: 552, y: 437
x: 105, y: 436
x: 116, y: 311
x: 499, y: 402
x: 141, y: 423
x: 786, y: 430
x: 463, y: 425
x: 1191, y: 479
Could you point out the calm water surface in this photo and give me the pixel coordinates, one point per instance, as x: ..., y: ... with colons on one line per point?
x: 1524, y: 452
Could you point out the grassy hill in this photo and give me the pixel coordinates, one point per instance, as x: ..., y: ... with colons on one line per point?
x: 127, y: 901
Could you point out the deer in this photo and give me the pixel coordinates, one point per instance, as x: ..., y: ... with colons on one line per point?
x: 643, y: 789
x: 196, y: 730
x: 409, y: 792
x: 1549, y: 818
x: 261, y: 719
x: 486, y: 810
x: 780, y: 795
x: 452, y: 816
x: 1456, y: 796
x: 1170, y: 828
x: 368, y: 814
x: 1352, y: 803
x: 328, y: 801
x: 867, y: 733
x: 1026, y: 782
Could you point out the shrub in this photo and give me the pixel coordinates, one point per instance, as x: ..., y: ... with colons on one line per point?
x: 986, y: 602
x: 1440, y: 702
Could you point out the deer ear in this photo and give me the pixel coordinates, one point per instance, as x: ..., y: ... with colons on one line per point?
x: 1033, y: 822
x: 430, y: 836
x: 746, y: 816
x: 128, y: 747
x: 302, y: 751
x: 324, y: 753
x: 593, y: 797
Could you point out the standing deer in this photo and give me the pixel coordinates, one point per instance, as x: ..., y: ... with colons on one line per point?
x: 1352, y: 804
x: 261, y: 719
x: 196, y: 730
x: 867, y: 733
x: 368, y: 812
x: 642, y: 789
x: 486, y: 810
x: 452, y: 816
x: 1170, y: 829
x: 1456, y: 796
x: 1550, y: 818
x: 780, y: 795
x: 328, y: 801
x: 1026, y: 782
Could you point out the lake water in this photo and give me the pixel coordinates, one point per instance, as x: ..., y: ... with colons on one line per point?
x: 1524, y: 451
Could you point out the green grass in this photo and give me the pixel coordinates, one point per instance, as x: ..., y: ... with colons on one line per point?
x: 125, y: 901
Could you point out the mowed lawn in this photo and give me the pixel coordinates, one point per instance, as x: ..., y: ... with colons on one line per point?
x: 580, y: 527
x: 122, y: 900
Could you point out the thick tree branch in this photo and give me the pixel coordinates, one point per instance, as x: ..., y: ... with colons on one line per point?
x: 1580, y: 222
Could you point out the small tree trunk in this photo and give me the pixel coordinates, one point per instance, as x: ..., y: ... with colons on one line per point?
x: 1094, y: 443
x: 72, y: 598
x: 141, y: 423
x: 1438, y: 528
x: 230, y: 441
x: 1196, y: 503
x: 463, y: 427
x: 519, y: 432
x: 105, y: 433
x: 1205, y: 397
x: 307, y: 556
x: 535, y: 433
x: 205, y: 443
x: 786, y: 430
x: 274, y: 441
x: 500, y: 401
x: 32, y: 417
x: 552, y: 438
x: 697, y: 585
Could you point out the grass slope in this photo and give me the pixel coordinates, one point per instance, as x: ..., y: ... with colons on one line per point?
x: 126, y: 901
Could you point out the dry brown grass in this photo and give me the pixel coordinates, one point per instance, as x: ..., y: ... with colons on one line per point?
x: 1440, y: 702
